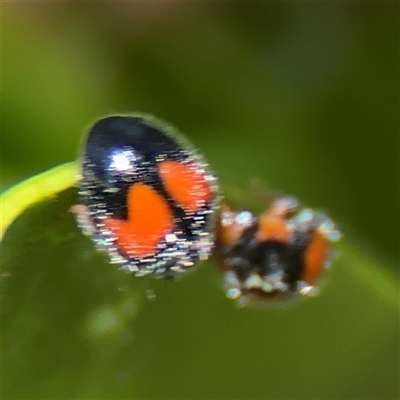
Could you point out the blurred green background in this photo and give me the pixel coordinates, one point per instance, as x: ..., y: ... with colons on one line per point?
x: 304, y: 97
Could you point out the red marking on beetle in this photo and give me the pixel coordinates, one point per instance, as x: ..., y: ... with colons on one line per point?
x: 272, y: 225
x: 314, y: 258
x: 149, y: 220
x: 186, y: 184
x: 228, y: 228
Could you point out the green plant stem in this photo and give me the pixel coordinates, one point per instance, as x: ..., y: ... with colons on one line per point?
x: 38, y: 188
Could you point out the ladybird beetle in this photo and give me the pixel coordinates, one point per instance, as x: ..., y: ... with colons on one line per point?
x: 146, y: 197
x: 271, y: 258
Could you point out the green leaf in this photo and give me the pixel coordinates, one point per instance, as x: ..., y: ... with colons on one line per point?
x: 15, y: 200
x: 60, y: 298
x: 74, y: 326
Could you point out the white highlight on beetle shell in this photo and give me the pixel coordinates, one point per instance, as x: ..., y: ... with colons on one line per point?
x: 244, y: 218
x: 122, y: 160
x: 308, y: 218
x: 307, y: 290
x: 287, y: 203
x: 254, y: 281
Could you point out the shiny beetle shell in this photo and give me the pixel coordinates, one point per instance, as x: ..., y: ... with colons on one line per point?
x: 146, y: 197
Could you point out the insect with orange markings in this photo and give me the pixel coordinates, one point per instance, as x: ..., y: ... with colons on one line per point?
x: 148, y: 199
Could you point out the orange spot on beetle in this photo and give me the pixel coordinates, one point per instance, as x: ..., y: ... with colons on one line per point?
x: 186, y: 184
x: 228, y: 229
x: 149, y: 220
x: 273, y: 229
x: 273, y: 226
x: 314, y: 258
